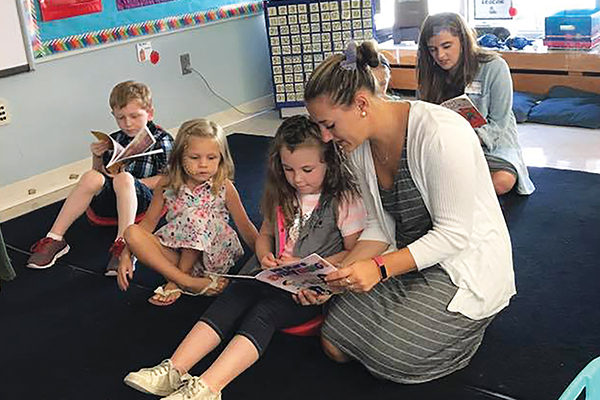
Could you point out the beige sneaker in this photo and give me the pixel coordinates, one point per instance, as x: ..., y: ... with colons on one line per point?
x: 193, y: 389
x: 161, y: 380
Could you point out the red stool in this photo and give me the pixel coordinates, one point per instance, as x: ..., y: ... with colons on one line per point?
x: 310, y: 328
x: 95, y: 219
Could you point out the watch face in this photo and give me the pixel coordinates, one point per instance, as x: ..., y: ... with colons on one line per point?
x: 379, y: 261
x: 383, y: 272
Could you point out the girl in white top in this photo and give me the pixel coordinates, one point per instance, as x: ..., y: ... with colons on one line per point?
x: 419, y: 311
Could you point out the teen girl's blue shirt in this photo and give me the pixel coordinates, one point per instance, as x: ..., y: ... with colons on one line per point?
x: 492, y: 93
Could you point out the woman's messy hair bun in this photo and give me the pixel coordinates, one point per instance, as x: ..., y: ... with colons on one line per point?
x: 367, y: 54
x: 340, y: 76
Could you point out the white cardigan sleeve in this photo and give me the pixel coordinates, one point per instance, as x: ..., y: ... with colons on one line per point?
x: 441, y: 153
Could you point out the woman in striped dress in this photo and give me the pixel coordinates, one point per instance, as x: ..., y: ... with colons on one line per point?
x: 434, y: 264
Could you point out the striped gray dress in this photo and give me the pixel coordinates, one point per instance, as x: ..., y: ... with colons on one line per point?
x: 401, y: 330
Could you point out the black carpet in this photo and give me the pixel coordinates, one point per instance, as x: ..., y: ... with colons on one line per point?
x: 69, y: 333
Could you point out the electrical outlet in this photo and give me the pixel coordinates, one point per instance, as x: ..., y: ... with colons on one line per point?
x: 186, y: 64
x: 4, y: 115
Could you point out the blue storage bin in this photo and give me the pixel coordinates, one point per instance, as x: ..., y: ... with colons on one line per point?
x: 573, y: 29
x: 576, y: 23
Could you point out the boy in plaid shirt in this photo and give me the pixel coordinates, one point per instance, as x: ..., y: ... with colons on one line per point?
x: 121, y: 195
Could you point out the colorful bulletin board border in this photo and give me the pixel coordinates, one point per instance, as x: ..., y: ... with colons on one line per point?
x: 43, y: 48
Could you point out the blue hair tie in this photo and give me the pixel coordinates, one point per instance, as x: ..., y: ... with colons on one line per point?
x: 349, y: 63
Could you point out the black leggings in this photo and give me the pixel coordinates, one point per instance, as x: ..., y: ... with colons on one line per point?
x: 257, y: 309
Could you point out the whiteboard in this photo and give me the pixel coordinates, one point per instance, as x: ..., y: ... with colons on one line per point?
x: 14, y: 48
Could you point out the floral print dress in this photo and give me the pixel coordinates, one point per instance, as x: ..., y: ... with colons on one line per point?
x: 199, y: 220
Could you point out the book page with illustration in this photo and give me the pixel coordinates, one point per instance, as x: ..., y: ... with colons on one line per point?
x: 138, y: 147
x: 307, y: 273
x: 465, y: 107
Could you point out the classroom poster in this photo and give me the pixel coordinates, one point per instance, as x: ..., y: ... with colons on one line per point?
x: 60, y: 9
x: 492, y: 9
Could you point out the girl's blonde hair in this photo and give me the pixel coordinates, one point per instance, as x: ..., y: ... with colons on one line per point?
x: 435, y: 84
x: 200, y: 128
x: 296, y: 132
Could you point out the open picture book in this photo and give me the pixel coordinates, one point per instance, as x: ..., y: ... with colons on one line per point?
x: 307, y: 273
x: 138, y: 147
x: 465, y: 107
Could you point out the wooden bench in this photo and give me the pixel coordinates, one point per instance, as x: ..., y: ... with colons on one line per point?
x: 533, y: 72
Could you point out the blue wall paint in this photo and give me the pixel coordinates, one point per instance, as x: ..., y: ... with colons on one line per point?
x: 54, y: 107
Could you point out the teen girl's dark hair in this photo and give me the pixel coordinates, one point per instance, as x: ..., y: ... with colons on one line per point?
x: 436, y: 84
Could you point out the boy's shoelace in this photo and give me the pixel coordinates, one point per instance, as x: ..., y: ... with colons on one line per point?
x: 41, y: 244
x: 117, y: 247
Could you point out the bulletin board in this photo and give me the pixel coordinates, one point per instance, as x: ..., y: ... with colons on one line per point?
x: 303, y: 33
x: 118, y: 20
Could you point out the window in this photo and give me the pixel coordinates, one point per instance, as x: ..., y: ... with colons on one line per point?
x: 531, y: 14
x: 529, y: 20
x: 384, y: 17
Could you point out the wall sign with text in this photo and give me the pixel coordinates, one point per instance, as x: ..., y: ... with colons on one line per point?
x: 493, y: 9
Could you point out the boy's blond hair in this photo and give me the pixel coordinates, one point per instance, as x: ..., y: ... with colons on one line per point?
x: 127, y: 91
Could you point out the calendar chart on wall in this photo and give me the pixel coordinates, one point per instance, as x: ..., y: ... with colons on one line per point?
x: 303, y: 33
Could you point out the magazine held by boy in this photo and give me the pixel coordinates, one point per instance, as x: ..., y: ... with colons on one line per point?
x: 138, y: 147
x: 307, y: 273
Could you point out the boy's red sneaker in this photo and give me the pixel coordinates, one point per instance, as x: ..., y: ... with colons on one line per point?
x: 45, y: 252
x: 115, y: 252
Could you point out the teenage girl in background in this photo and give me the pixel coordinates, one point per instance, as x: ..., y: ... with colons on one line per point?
x: 450, y: 63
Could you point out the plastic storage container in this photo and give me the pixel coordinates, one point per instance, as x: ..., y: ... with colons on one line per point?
x: 573, y: 29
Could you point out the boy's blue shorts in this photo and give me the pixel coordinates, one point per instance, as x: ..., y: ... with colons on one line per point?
x: 104, y: 203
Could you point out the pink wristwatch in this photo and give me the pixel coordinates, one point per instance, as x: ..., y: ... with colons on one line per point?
x: 382, y: 269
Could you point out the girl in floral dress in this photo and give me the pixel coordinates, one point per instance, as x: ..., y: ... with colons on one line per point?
x: 197, y: 240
